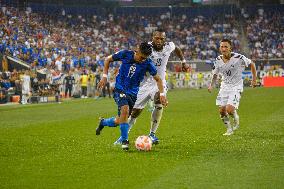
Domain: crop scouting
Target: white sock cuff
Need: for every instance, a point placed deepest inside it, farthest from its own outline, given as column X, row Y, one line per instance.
column 159, row 105
column 131, row 120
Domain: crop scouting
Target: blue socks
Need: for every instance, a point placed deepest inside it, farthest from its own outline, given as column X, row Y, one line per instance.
column 109, row 122
column 124, row 130
column 123, row 126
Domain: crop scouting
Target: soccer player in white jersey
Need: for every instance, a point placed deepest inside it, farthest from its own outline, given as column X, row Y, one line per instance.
column 26, row 87
column 148, row 89
column 230, row 66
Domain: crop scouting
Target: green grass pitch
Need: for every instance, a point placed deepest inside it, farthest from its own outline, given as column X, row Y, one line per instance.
column 55, row 146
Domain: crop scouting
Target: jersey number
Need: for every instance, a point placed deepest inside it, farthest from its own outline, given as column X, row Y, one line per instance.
column 132, row 70
column 228, row 73
column 159, row 62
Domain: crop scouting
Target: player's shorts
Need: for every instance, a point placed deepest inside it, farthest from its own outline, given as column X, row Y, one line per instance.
column 228, row 98
column 147, row 92
column 122, row 99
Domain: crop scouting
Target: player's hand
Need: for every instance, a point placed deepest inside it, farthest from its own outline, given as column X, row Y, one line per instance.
column 102, row 83
column 164, row 101
column 209, row 88
column 253, row 83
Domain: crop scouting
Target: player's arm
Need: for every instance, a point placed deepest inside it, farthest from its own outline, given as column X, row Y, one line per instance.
column 253, row 71
column 103, row 81
column 213, row 80
column 163, row 98
column 179, row 53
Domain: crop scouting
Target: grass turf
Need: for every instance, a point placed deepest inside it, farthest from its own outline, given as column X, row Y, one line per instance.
column 55, row 146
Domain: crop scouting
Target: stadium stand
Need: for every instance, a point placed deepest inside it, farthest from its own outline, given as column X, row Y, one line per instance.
column 56, row 39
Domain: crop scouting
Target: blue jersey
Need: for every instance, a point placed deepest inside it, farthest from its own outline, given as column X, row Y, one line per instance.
column 131, row 73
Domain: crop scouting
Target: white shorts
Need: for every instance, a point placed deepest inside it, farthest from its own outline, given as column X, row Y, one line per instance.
column 147, row 92
column 228, row 98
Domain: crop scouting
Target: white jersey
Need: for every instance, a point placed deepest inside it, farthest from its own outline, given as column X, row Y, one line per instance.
column 148, row 87
column 231, row 71
column 26, row 81
column 160, row 59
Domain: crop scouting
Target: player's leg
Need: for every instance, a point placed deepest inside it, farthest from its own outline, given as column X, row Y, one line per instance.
column 233, row 113
column 236, row 119
column 132, row 118
column 150, row 105
column 233, row 104
column 108, row 122
column 131, row 121
column 156, row 118
column 155, row 122
column 127, row 107
column 124, row 126
column 141, row 101
column 143, row 97
column 221, row 101
column 226, row 120
column 113, row 121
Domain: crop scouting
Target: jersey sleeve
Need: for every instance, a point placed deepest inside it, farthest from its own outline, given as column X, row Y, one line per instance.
column 119, row 55
column 152, row 68
column 246, row 61
column 215, row 69
column 172, row 46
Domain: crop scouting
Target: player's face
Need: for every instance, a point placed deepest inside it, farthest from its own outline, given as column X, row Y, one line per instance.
column 225, row 48
column 159, row 39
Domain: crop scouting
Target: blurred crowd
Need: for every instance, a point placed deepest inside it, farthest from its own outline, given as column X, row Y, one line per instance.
column 65, row 46
column 265, row 34
column 69, row 41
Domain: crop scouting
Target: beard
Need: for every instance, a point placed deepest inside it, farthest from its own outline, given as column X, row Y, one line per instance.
column 158, row 47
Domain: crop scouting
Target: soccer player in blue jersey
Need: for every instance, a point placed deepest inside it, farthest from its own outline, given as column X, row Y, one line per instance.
column 134, row 66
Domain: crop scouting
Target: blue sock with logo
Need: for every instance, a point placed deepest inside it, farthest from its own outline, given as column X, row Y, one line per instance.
column 110, row 122
column 124, row 130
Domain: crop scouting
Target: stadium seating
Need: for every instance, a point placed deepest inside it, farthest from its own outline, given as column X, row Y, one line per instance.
column 65, row 37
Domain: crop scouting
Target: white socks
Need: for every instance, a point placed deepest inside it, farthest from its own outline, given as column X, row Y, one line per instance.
column 131, row 122
column 156, row 118
column 226, row 121
column 236, row 118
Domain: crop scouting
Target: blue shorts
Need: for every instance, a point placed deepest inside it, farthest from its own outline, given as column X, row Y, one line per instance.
column 122, row 99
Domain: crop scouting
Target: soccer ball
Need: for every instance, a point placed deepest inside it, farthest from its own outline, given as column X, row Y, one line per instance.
column 143, row 143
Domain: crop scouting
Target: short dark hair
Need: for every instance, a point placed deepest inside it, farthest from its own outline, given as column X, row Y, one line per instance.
column 226, row 40
column 145, row 48
column 160, row 30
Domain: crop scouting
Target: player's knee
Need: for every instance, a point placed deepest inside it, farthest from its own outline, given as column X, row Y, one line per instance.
column 230, row 109
column 222, row 111
column 116, row 120
column 135, row 112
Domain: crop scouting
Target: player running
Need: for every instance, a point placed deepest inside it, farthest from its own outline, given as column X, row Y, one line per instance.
column 230, row 66
column 148, row 89
column 132, row 70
